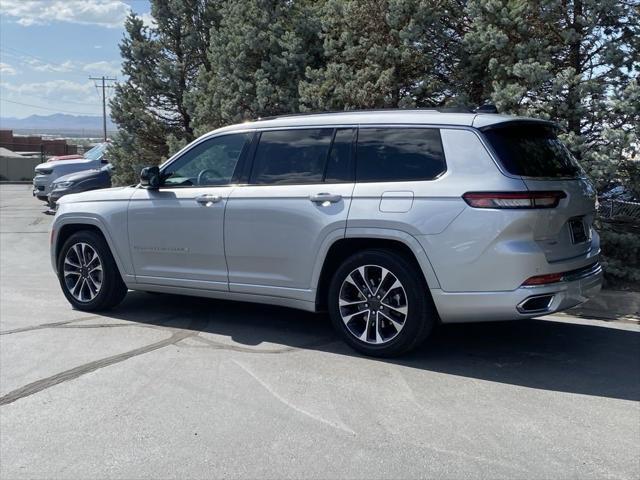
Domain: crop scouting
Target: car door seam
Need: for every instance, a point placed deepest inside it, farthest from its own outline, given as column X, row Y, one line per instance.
column 224, row 234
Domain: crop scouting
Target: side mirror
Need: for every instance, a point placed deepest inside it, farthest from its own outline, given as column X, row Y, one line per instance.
column 150, row 178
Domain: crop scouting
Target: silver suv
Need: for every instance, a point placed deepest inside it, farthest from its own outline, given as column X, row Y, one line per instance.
column 392, row 221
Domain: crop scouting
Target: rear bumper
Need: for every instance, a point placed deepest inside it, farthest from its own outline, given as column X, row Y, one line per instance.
column 459, row 307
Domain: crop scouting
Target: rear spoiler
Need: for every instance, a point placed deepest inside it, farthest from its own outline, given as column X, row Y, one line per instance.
column 516, row 122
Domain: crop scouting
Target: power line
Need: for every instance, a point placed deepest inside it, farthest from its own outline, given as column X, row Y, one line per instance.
column 57, row 110
column 66, row 100
column 82, row 104
column 68, row 69
column 22, row 52
column 104, row 100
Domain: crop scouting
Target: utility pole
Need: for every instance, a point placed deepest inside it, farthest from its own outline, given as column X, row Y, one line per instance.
column 104, row 100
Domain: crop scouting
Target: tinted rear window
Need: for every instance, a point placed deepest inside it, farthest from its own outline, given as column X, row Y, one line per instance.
column 291, row 156
column 532, row 151
column 399, row 154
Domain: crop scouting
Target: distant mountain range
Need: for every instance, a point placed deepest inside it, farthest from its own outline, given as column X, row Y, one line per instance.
column 56, row 122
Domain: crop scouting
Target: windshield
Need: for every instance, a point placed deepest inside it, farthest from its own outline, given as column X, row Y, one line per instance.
column 532, row 151
column 96, row 152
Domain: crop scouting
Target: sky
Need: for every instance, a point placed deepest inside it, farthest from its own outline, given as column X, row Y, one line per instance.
column 49, row 48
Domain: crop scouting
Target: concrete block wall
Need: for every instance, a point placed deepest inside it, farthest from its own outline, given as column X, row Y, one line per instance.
column 17, row 169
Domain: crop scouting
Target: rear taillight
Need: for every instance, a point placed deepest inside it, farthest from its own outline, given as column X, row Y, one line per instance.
column 577, row 274
column 514, row 199
column 543, row 279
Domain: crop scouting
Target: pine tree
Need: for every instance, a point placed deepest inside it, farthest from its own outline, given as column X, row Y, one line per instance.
column 384, row 53
column 575, row 62
column 160, row 63
column 257, row 54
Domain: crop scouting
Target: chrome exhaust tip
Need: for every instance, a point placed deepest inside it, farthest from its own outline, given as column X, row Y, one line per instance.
column 536, row 304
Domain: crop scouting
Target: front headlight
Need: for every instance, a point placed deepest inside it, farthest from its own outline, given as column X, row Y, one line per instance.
column 61, row 185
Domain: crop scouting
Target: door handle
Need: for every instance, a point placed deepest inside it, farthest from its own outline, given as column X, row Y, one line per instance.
column 207, row 200
column 325, row 197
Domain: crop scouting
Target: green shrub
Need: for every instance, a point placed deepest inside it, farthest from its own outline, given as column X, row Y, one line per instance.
column 620, row 257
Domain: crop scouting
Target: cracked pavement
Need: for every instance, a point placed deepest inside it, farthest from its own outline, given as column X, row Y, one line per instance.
column 175, row 387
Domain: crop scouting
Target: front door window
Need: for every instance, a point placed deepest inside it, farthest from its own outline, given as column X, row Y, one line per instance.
column 209, row 163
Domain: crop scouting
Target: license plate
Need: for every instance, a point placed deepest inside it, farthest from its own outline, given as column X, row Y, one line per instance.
column 578, row 232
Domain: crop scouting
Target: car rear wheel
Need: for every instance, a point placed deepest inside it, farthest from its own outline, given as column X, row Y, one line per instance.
column 380, row 303
column 88, row 273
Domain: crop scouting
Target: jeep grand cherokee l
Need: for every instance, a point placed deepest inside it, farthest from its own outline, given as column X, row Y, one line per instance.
column 391, row 221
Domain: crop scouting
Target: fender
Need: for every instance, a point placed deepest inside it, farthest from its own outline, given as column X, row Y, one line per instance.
column 378, row 233
column 122, row 262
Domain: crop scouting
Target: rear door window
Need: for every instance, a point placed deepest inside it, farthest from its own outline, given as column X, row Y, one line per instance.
column 532, row 151
column 291, row 156
column 399, row 154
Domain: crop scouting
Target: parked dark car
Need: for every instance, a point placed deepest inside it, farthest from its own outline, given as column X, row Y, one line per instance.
column 48, row 172
column 80, row 182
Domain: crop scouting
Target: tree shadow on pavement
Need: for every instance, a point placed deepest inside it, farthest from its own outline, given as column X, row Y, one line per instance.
column 544, row 354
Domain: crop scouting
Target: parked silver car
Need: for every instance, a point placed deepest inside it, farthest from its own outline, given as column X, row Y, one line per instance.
column 390, row 220
column 46, row 173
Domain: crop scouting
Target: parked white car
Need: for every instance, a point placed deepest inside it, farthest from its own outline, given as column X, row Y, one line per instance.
column 46, row 173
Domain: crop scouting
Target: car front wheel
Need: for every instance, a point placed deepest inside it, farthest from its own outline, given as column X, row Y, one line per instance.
column 380, row 303
column 88, row 273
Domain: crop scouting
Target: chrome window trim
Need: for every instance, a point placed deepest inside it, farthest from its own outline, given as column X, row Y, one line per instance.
column 187, row 148
column 197, row 142
column 257, row 129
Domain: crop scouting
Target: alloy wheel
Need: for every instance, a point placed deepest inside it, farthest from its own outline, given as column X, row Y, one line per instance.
column 373, row 304
column 82, row 271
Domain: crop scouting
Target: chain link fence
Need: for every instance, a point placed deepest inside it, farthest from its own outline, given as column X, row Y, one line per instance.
column 610, row 209
column 618, row 222
column 621, row 215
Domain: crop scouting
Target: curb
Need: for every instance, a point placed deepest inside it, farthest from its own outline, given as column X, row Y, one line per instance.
column 594, row 316
column 610, row 305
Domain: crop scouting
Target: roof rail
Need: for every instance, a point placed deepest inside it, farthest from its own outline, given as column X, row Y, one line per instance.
column 458, row 109
column 486, row 108
column 365, row 110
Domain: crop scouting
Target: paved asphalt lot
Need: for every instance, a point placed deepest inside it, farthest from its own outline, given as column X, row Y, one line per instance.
column 176, row 387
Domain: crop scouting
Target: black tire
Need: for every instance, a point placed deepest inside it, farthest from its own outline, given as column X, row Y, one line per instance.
column 112, row 289
column 420, row 316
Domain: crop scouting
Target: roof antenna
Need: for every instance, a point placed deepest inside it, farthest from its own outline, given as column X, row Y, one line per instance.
column 486, row 108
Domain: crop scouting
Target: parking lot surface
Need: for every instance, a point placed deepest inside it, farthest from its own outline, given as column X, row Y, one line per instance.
column 178, row 387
